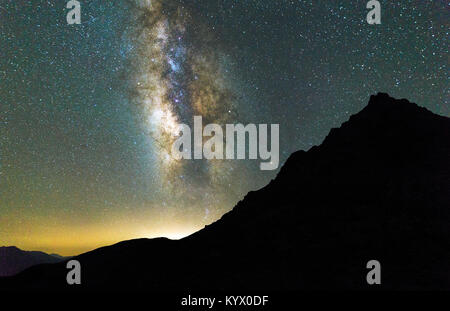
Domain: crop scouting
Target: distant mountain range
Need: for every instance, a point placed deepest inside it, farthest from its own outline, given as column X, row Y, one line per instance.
column 14, row 260
column 376, row 188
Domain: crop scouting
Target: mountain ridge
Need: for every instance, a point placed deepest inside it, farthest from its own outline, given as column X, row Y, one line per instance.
column 376, row 188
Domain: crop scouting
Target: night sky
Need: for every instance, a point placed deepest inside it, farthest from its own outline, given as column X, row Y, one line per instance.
column 87, row 111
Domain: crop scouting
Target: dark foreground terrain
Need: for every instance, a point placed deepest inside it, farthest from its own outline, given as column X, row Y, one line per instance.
column 376, row 188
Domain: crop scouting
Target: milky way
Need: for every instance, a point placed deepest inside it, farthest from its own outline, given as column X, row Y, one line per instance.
column 178, row 74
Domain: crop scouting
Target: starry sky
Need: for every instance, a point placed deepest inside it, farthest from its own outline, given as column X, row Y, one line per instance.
column 87, row 112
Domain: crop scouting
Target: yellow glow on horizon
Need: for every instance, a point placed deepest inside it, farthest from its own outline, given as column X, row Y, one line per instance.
column 173, row 233
column 73, row 239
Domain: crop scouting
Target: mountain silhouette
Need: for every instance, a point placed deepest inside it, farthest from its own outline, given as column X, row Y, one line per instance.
column 377, row 188
column 14, row 260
